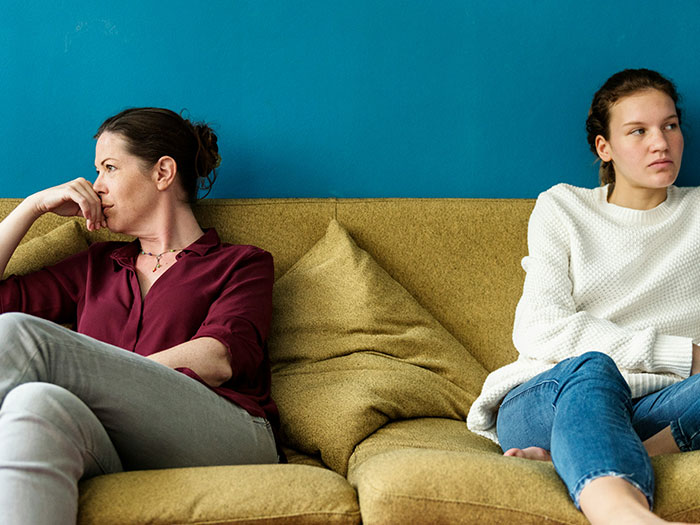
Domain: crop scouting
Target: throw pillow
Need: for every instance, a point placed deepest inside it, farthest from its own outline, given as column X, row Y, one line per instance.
column 47, row 249
column 351, row 349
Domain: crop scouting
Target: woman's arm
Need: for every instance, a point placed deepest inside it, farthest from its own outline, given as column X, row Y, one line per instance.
column 13, row 228
column 230, row 343
column 206, row 357
column 549, row 327
column 75, row 198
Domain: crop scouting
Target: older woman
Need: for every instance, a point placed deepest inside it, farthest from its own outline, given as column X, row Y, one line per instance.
column 167, row 367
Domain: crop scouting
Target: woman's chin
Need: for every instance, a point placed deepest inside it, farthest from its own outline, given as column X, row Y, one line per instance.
column 112, row 226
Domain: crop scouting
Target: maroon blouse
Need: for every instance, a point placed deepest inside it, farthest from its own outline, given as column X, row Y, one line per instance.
column 214, row 290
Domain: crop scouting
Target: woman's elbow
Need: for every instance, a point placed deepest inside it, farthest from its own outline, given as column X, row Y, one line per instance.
column 220, row 373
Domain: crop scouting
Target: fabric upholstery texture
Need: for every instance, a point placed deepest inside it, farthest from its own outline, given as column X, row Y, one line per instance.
column 471, row 488
column 349, row 344
column 47, row 249
column 484, row 488
column 263, row 494
column 460, row 259
column 421, row 433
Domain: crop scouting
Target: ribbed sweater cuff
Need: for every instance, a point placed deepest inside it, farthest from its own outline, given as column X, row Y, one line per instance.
column 673, row 354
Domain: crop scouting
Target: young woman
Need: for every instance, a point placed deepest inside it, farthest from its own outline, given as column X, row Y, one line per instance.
column 608, row 321
column 167, row 367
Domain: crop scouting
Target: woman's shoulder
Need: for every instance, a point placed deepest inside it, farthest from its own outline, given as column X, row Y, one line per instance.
column 107, row 247
column 570, row 200
column 243, row 250
column 239, row 255
column 564, row 192
column 211, row 243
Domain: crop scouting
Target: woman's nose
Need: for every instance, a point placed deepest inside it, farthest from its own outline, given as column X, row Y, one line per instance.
column 659, row 141
column 98, row 185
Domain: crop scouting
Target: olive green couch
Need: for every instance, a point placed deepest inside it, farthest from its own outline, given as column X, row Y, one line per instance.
column 388, row 315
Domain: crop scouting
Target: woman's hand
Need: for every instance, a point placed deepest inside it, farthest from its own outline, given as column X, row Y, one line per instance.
column 74, row 198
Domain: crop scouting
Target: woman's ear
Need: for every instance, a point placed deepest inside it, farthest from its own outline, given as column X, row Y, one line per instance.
column 602, row 146
column 164, row 172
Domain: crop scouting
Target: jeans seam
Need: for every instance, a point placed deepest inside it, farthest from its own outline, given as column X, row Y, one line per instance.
column 541, row 383
column 691, row 438
column 679, row 436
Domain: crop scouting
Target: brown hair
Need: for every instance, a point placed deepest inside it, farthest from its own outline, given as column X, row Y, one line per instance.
column 620, row 85
column 151, row 133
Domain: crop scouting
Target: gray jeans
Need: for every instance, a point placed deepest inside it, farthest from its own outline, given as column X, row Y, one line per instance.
column 73, row 407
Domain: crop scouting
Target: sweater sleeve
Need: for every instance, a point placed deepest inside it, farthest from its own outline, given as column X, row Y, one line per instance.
column 549, row 327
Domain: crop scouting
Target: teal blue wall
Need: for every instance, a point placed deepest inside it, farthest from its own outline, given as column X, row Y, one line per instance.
column 339, row 98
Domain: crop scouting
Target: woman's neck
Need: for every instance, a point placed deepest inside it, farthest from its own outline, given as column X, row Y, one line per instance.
column 175, row 229
column 638, row 198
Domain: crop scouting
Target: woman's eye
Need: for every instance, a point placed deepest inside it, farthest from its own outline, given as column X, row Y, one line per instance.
column 637, row 132
column 671, row 126
column 110, row 167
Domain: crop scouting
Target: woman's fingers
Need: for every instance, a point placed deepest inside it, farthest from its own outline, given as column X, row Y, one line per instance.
column 89, row 202
column 76, row 197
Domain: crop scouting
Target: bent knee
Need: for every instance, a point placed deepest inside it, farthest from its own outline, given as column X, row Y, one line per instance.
column 598, row 364
column 598, row 358
column 40, row 399
column 15, row 318
column 14, row 323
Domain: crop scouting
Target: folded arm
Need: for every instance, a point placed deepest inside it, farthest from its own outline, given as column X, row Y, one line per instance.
column 205, row 356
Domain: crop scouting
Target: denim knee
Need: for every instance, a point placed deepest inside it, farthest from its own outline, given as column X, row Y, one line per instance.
column 600, row 367
column 601, row 361
column 592, row 435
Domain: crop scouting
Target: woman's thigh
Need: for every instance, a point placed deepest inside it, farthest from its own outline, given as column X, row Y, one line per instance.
column 655, row 411
column 526, row 414
column 156, row 417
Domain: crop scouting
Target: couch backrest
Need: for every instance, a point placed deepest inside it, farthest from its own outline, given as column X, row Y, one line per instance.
column 460, row 258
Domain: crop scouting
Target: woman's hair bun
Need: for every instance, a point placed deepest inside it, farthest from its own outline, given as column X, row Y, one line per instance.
column 207, row 158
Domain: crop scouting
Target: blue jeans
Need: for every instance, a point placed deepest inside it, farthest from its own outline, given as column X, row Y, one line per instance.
column 582, row 412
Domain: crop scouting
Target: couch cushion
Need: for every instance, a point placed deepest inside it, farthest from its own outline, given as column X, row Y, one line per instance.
column 460, row 258
column 677, row 496
column 351, row 349
column 422, row 486
column 467, row 483
column 254, row 494
column 429, row 433
column 47, row 249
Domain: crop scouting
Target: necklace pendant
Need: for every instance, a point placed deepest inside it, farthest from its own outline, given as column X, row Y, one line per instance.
column 158, row 256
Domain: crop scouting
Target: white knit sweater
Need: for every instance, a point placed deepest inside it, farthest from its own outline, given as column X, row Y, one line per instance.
column 606, row 278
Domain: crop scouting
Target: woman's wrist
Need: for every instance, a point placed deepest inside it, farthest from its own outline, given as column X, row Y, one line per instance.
column 30, row 208
column 695, row 367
